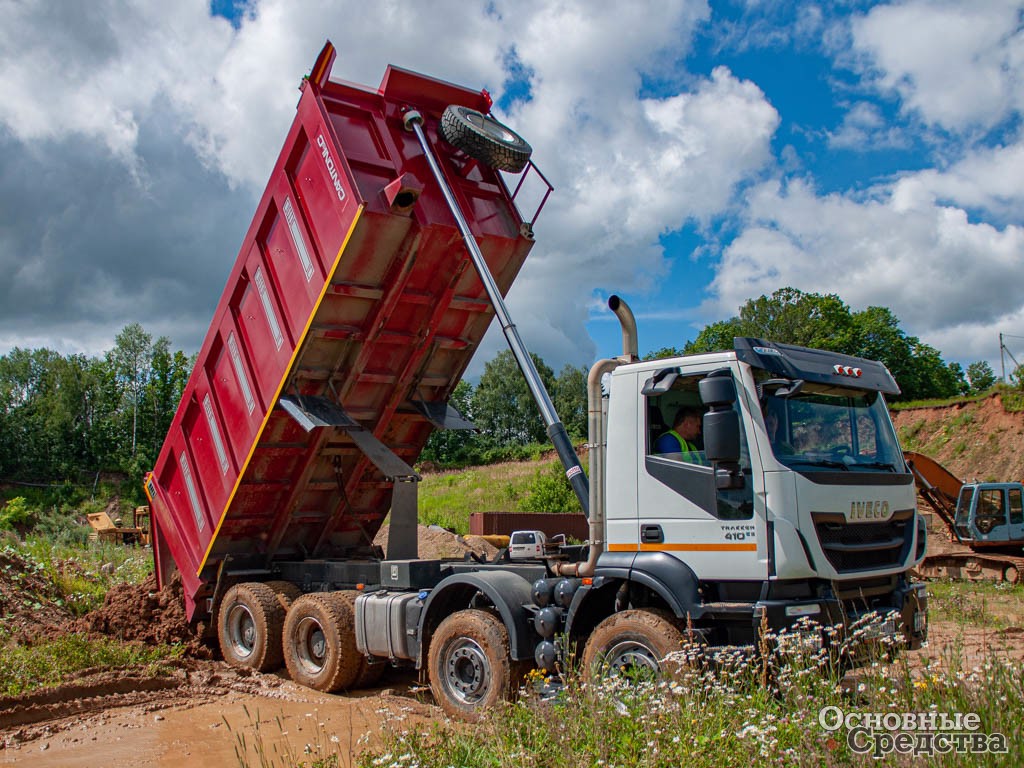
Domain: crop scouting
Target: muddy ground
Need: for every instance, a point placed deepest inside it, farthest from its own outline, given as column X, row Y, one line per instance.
column 195, row 709
column 198, row 711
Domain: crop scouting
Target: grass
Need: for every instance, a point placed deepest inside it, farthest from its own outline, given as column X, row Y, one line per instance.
column 992, row 605
column 731, row 717
column 723, row 718
column 82, row 575
column 48, row 662
column 448, row 498
column 77, row 578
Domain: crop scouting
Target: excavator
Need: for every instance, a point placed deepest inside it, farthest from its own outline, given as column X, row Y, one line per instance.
column 985, row 519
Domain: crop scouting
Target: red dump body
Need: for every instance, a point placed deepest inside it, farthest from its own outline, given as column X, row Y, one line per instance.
column 352, row 284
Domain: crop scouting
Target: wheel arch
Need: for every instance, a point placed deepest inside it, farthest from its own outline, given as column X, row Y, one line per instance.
column 672, row 580
column 506, row 592
column 660, row 580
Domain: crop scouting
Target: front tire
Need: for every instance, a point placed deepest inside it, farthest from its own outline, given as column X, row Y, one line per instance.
column 320, row 642
column 633, row 642
column 249, row 625
column 469, row 664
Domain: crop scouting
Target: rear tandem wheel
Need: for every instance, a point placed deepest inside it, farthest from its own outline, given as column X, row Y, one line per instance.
column 320, row 642
column 249, row 625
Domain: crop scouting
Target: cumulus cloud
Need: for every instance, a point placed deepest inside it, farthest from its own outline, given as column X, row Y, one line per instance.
column 865, row 129
column 956, row 65
column 947, row 278
column 166, row 121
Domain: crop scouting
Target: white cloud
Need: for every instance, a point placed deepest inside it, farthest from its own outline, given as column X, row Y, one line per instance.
column 986, row 179
column 864, row 129
column 948, row 279
column 177, row 106
column 955, row 64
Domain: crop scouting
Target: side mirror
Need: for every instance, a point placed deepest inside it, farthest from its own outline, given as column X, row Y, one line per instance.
column 717, row 389
column 722, row 436
column 660, row 383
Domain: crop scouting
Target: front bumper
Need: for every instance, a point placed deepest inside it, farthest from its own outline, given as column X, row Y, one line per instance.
column 855, row 629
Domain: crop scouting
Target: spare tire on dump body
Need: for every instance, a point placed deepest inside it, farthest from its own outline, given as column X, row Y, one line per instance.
column 485, row 139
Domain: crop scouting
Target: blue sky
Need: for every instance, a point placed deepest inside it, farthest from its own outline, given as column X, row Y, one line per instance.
column 702, row 154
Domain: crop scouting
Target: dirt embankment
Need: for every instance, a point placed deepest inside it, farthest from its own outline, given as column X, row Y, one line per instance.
column 975, row 441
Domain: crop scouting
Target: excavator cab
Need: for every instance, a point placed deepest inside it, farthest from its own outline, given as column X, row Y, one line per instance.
column 990, row 512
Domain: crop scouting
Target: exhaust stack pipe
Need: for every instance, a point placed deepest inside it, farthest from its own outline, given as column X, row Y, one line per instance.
column 622, row 311
column 598, row 438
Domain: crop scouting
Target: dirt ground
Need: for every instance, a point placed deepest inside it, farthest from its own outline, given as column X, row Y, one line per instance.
column 976, row 441
column 191, row 709
column 197, row 713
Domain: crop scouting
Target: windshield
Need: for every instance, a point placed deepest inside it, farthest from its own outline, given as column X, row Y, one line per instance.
column 828, row 431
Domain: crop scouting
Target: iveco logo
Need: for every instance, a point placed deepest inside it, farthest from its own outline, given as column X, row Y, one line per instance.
column 332, row 169
column 868, row 510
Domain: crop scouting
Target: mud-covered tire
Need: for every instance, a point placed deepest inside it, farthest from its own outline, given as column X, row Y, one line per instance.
column 369, row 674
column 249, row 623
column 632, row 642
column 320, row 642
column 286, row 592
column 485, row 139
column 469, row 665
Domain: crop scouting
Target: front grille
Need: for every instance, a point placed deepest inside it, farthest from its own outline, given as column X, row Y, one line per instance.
column 863, row 546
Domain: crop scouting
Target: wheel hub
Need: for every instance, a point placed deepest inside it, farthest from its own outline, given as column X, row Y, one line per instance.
column 311, row 645
column 241, row 631
column 632, row 657
column 467, row 673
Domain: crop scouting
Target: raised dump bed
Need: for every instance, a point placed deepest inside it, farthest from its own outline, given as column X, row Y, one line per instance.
column 349, row 316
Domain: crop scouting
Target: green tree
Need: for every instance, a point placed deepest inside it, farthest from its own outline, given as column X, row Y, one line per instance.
column 980, row 376
column 165, row 384
column 788, row 315
column 131, row 358
column 503, row 407
column 570, row 400
column 825, row 322
column 665, row 352
column 455, row 447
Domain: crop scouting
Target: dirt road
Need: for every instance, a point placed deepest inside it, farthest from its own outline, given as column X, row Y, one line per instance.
column 197, row 713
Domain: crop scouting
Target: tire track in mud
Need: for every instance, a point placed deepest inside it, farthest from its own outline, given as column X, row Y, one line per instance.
column 96, row 693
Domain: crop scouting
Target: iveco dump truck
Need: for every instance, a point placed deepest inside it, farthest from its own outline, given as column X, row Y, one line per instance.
column 379, row 254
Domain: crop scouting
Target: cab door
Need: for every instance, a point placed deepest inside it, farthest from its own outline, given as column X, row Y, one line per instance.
column 680, row 509
column 991, row 514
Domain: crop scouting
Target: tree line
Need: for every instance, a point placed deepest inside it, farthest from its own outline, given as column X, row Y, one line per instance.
column 824, row 321
column 65, row 419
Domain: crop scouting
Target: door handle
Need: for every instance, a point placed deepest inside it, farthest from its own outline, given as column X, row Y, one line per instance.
column 651, row 534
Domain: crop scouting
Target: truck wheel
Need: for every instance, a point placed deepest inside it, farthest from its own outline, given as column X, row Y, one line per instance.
column 485, row 139
column 469, row 664
column 369, row 674
column 286, row 592
column 320, row 642
column 249, row 627
column 632, row 642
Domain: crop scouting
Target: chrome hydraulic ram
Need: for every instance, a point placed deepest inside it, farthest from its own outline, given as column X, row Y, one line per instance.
column 556, row 431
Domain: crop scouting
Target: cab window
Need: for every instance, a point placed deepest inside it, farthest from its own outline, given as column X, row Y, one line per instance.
column 1016, row 507
column 991, row 511
column 664, row 432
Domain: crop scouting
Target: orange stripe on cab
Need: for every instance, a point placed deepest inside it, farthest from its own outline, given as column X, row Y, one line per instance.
column 716, row 547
